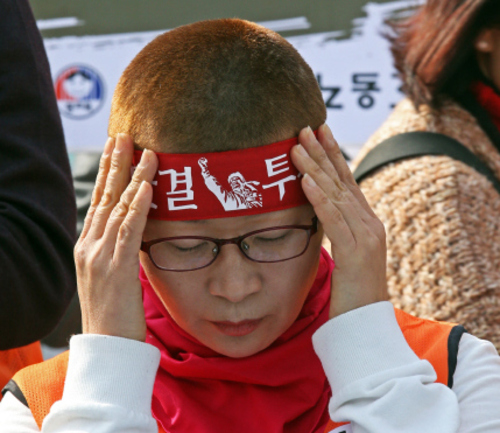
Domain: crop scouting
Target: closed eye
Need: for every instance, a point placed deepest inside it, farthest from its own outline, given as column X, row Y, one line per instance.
column 273, row 237
column 186, row 246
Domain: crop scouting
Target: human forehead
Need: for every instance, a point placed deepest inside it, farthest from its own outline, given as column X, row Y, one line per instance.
column 229, row 227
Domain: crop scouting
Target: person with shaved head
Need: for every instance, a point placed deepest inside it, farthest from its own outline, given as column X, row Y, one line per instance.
column 203, row 312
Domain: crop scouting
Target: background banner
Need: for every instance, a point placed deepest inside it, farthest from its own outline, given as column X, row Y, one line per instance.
column 353, row 66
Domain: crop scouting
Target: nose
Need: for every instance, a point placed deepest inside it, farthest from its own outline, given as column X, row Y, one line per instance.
column 233, row 276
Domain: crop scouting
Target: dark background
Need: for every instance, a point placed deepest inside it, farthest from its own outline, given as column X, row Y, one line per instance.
column 123, row 16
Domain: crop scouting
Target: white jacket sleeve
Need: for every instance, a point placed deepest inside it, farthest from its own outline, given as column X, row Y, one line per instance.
column 108, row 389
column 381, row 386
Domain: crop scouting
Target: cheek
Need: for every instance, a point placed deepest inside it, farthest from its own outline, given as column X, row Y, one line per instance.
column 294, row 280
column 171, row 290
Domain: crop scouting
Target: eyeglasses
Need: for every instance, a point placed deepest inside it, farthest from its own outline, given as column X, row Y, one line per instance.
column 271, row 245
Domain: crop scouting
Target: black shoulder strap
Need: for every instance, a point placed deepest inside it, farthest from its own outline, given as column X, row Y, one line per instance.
column 420, row 143
column 453, row 343
column 14, row 389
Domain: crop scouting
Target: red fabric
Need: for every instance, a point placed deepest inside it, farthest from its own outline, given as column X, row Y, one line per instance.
column 281, row 389
column 197, row 186
column 489, row 99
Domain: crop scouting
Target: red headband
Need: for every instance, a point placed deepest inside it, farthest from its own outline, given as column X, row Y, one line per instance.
column 201, row 186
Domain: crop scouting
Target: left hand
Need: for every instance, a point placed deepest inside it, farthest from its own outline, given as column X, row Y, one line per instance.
column 356, row 234
column 107, row 253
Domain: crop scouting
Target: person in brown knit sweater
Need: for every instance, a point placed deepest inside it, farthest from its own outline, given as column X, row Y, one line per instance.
column 441, row 216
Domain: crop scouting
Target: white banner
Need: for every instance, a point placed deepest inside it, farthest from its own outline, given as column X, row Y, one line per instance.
column 355, row 74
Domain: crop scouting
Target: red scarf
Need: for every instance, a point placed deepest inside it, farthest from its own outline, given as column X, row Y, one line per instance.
column 281, row 389
column 489, row 99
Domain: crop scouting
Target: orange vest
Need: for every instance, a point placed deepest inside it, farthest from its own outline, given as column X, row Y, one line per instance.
column 13, row 360
column 40, row 386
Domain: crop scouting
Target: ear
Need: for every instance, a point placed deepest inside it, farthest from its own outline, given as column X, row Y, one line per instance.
column 484, row 42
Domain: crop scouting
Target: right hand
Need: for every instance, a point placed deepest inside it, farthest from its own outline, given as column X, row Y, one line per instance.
column 356, row 234
column 107, row 253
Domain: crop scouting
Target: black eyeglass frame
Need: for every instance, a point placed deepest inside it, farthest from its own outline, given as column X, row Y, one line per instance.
column 311, row 229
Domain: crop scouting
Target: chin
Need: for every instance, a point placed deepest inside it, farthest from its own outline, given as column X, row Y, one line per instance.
column 239, row 352
column 237, row 347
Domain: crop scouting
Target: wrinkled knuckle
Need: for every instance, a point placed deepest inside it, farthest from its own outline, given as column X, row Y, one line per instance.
column 115, row 164
column 120, row 210
column 80, row 254
column 103, row 164
column 94, row 201
column 344, row 193
column 338, row 194
column 90, row 214
column 135, row 207
column 125, row 232
column 135, row 183
column 323, row 158
column 317, row 170
column 335, row 216
column 324, row 200
column 96, row 195
column 138, row 173
column 107, row 198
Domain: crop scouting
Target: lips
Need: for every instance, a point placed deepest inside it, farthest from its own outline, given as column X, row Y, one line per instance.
column 237, row 329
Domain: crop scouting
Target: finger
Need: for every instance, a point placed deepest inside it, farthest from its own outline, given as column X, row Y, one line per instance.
column 100, row 183
column 332, row 219
column 332, row 149
column 129, row 239
column 145, row 171
column 333, row 188
column 116, row 182
column 316, row 151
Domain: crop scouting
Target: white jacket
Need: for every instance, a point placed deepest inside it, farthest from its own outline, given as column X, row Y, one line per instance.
column 379, row 384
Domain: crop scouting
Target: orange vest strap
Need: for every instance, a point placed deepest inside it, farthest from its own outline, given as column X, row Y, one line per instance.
column 13, row 360
column 48, row 376
column 430, row 340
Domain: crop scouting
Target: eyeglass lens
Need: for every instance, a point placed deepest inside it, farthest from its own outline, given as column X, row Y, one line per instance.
column 267, row 246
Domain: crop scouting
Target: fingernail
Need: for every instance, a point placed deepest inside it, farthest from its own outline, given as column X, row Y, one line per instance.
column 301, row 150
column 119, row 144
column 310, row 133
column 142, row 187
column 146, row 153
column 108, row 147
column 309, row 180
column 328, row 132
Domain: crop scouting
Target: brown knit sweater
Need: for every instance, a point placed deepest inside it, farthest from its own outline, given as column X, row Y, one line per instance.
column 443, row 223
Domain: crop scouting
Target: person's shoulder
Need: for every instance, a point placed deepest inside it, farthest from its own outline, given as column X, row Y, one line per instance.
column 450, row 119
column 39, row 386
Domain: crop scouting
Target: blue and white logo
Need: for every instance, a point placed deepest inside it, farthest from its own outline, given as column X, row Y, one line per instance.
column 79, row 91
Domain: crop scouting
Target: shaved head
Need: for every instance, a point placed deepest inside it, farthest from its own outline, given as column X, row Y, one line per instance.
column 213, row 86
